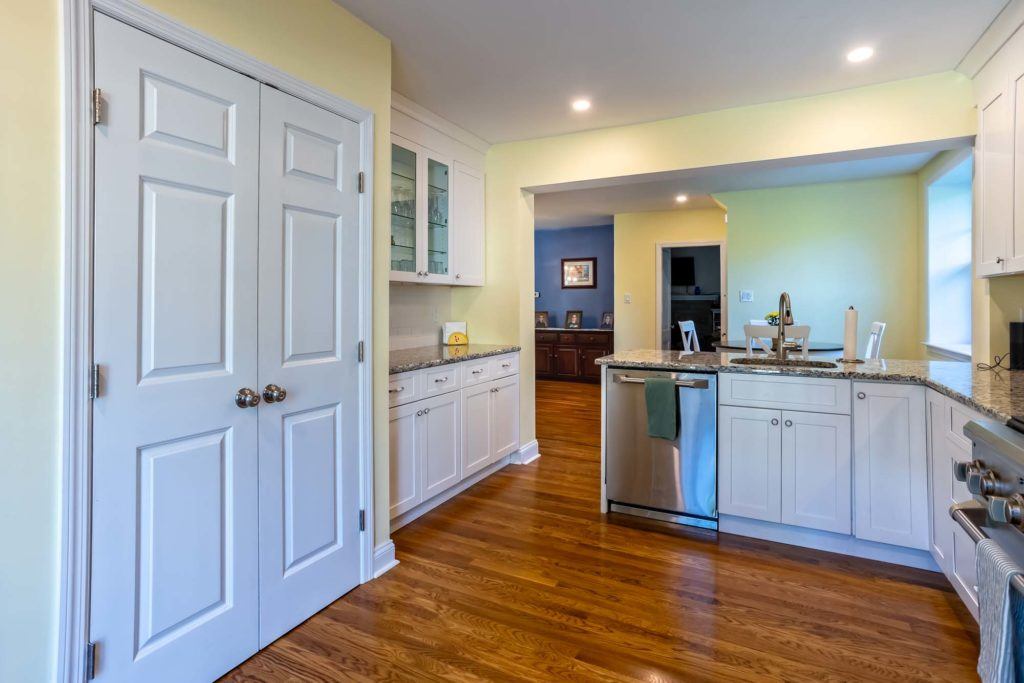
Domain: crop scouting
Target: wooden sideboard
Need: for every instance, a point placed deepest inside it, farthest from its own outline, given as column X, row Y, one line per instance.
column 570, row 354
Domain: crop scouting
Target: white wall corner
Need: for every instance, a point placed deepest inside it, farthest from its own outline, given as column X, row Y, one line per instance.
column 384, row 558
column 527, row 453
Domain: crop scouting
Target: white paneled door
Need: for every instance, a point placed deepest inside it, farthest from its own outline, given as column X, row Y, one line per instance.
column 308, row 346
column 226, row 259
column 174, row 592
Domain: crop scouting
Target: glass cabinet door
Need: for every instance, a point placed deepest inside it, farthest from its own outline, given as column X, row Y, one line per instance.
column 438, row 244
column 403, row 210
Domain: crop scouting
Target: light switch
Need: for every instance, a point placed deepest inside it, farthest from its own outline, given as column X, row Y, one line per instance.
column 746, row 295
column 627, row 298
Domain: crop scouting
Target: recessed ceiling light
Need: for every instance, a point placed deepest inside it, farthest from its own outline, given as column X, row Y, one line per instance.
column 860, row 54
column 581, row 104
column 681, row 198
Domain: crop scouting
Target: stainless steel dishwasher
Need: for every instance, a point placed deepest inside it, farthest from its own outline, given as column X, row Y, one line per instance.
column 674, row 481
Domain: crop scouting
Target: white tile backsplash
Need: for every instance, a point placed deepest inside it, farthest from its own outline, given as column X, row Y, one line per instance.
column 417, row 313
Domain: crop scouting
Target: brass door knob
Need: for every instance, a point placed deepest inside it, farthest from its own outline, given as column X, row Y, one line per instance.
column 247, row 398
column 274, row 394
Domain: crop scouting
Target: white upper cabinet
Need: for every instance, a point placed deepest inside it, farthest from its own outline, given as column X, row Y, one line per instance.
column 890, row 464
column 437, row 199
column 994, row 148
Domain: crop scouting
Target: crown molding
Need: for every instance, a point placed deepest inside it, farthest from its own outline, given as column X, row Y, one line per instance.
column 403, row 104
column 1003, row 27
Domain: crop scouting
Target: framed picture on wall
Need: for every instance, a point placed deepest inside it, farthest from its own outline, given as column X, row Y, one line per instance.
column 540, row 319
column 607, row 320
column 573, row 319
column 579, row 273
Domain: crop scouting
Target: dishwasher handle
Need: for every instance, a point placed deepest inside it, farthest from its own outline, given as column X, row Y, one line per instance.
column 688, row 383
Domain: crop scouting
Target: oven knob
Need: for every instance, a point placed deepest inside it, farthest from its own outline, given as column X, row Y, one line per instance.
column 976, row 481
column 1006, row 510
column 960, row 470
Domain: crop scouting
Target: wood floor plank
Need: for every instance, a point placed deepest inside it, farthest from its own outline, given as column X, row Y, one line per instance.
column 520, row 578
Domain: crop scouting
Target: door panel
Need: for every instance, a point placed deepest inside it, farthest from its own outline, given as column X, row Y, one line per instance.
column 995, row 181
column 591, row 369
column 749, row 462
column 476, row 427
column 174, row 468
column 505, row 418
column 442, row 443
column 567, row 361
column 543, row 354
column 308, row 265
column 404, row 472
column 468, row 225
column 816, row 471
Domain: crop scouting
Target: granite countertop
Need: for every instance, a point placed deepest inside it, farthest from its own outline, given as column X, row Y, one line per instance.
column 405, row 360
column 998, row 394
column 574, row 329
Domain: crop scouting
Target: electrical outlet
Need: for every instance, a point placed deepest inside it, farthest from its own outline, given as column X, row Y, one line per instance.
column 627, row 298
column 746, row 296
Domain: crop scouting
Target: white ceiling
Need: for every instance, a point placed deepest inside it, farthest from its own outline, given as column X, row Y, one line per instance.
column 508, row 69
column 596, row 202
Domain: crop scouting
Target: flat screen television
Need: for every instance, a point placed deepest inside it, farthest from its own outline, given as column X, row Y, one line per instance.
column 682, row 271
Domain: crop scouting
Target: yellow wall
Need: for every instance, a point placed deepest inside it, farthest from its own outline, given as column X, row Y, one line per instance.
column 831, row 246
column 30, row 236
column 315, row 40
column 636, row 265
column 936, row 107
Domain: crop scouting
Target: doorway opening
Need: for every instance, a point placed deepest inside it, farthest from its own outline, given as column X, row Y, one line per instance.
column 691, row 282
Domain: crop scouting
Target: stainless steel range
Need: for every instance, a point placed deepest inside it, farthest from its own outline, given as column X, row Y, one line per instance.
column 996, row 479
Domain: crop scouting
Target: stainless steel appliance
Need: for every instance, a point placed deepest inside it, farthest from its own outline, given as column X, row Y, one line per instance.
column 996, row 479
column 674, row 481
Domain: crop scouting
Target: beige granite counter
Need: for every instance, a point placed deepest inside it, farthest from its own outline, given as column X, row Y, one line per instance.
column 406, row 360
column 999, row 394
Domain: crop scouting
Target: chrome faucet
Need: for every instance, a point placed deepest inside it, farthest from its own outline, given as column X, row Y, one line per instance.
column 785, row 318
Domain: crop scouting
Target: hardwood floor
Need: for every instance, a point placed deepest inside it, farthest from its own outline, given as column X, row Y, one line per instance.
column 521, row 578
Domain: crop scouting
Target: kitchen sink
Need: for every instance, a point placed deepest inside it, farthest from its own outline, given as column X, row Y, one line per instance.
column 787, row 363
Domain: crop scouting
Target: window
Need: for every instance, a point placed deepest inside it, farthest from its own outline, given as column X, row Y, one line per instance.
column 949, row 261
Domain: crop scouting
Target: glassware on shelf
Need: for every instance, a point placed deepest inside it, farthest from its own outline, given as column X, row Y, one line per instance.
column 403, row 209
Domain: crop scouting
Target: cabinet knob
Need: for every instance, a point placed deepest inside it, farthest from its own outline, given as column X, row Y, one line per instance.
column 458, row 276
column 440, row 380
column 999, row 259
column 775, row 422
column 789, row 423
column 418, row 413
column 861, row 395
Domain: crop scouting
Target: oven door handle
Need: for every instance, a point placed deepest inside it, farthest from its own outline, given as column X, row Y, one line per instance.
column 688, row 383
column 962, row 514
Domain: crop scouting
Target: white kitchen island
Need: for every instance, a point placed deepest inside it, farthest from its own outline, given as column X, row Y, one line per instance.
column 855, row 459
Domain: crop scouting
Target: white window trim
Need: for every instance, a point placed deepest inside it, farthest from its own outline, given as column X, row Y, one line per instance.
column 946, row 351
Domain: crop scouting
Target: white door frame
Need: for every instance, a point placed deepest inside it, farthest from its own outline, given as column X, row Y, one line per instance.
column 659, row 247
column 77, row 258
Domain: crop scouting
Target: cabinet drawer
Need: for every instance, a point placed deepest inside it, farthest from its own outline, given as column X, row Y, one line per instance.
column 787, row 392
column 547, row 337
column 503, row 366
column 475, row 372
column 566, row 338
column 440, row 380
column 593, row 338
column 402, row 388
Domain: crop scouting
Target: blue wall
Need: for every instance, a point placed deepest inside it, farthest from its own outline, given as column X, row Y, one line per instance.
column 550, row 247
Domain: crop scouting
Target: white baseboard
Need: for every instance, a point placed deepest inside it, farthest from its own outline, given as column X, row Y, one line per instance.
column 384, row 558
column 825, row 540
column 428, row 505
column 527, row 453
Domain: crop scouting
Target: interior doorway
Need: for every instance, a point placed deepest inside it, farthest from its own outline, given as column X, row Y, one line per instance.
column 691, row 285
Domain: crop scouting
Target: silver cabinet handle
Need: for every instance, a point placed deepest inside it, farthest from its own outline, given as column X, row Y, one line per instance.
column 999, row 259
column 506, row 365
column 861, row 395
column 247, row 398
column 396, row 391
column 789, row 423
column 477, row 371
column 458, row 276
column 775, row 422
column 274, row 394
column 426, row 410
column 418, row 413
column 440, row 380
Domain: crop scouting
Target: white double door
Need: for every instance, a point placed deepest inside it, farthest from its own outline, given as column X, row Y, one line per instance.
column 226, row 258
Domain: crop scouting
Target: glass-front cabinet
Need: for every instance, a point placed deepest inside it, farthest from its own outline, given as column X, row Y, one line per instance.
column 420, row 207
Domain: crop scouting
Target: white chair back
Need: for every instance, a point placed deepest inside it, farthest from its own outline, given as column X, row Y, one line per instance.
column 874, row 348
column 802, row 335
column 758, row 321
column 755, row 334
column 689, row 332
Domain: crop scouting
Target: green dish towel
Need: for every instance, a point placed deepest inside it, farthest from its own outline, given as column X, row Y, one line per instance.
column 662, row 408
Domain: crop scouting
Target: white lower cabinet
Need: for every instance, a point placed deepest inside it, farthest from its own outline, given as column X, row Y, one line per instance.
column 439, row 441
column 951, row 548
column 890, row 464
column 816, row 471
column 750, row 462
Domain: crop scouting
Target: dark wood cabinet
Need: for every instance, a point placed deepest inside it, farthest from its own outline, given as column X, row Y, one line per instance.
column 570, row 355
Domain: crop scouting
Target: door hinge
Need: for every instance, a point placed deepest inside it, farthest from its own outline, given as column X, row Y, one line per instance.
column 94, row 381
column 90, row 661
column 362, row 351
column 362, row 182
column 97, row 106
column 362, row 520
